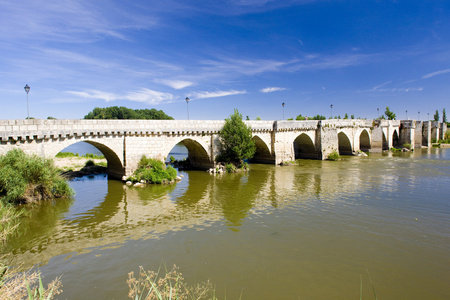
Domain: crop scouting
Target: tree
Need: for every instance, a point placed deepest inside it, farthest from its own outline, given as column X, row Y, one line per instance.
column 346, row 116
column 436, row 115
column 236, row 142
column 444, row 116
column 389, row 114
column 124, row 113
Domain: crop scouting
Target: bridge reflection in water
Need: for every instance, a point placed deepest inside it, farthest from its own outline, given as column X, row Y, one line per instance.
column 320, row 222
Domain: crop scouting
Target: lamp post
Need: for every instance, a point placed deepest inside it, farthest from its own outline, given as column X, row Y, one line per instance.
column 406, row 114
column 378, row 112
column 27, row 89
column 187, row 104
column 331, row 106
column 283, row 109
column 418, row 116
column 428, row 116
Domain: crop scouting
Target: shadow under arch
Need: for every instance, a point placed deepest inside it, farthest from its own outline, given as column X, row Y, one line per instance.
column 385, row 143
column 115, row 167
column 364, row 141
column 262, row 154
column 345, row 147
column 197, row 155
column 395, row 139
column 304, row 147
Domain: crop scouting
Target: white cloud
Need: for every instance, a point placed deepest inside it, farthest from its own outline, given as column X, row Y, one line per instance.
column 201, row 95
column 143, row 95
column 419, row 89
column 175, row 84
column 435, row 73
column 271, row 89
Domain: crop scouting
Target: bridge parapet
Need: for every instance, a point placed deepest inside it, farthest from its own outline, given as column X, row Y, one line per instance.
column 295, row 125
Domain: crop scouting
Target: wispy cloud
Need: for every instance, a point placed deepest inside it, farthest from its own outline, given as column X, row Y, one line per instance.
column 272, row 89
column 215, row 94
column 429, row 75
column 405, row 90
column 143, row 95
column 175, row 84
column 381, row 85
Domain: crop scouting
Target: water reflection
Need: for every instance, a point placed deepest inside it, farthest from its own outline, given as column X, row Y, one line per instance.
column 360, row 207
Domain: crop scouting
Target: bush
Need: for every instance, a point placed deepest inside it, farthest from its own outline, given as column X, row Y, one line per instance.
column 89, row 163
column 153, row 171
column 407, row 146
column 24, row 177
column 334, row 156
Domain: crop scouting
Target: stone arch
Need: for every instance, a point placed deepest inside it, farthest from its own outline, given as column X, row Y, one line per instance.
column 115, row 166
column 364, row 141
column 345, row 146
column 262, row 154
column 304, row 147
column 197, row 154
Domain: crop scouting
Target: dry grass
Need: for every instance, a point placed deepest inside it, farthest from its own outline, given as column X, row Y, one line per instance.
column 149, row 285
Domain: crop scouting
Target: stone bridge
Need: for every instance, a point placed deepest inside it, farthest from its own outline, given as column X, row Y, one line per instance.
column 123, row 142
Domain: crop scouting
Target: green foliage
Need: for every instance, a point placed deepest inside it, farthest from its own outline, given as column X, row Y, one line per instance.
column 346, row 116
column 236, row 142
column 87, row 155
column 36, row 176
column 334, row 156
column 172, row 159
column 124, row 113
column 153, row 171
column 316, row 117
column 230, row 168
column 444, row 116
column 90, row 163
column 407, row 146
column 258, row 118
column 389, row 114
column 436, row 115
column 9, row 221
column 352, row 117
column 51, row 118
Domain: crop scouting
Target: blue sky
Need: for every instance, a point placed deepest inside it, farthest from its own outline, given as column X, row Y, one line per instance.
column 246, row 54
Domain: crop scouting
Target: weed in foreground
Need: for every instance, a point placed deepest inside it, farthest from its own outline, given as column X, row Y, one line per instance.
column 166, row 285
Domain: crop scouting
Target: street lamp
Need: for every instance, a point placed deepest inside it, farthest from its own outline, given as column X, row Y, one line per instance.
column 283, row 109
column 428, row 116
column 27, row 89
column 331, row 106
column 378, row 112
column 187, row 104
column 406, row 114
column 418, row 116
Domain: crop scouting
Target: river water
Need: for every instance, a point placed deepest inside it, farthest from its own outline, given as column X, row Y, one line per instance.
column 319, row 230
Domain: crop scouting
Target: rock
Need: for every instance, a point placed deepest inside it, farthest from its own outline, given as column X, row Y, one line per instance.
column 138, row 184
column 178, row 178
column 129, row 183
column 405, row 150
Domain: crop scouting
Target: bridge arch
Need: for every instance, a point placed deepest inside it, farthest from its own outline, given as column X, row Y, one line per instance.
column 304, row 147
column 197, row 154
column 115, row 166
column 345, row 146
column 364, row 141
column 396, row 139
column 263, row 153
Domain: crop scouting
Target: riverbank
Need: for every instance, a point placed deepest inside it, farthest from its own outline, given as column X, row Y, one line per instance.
column 72, row 167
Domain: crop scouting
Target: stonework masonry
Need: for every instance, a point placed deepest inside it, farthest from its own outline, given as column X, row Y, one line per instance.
column 123, row 142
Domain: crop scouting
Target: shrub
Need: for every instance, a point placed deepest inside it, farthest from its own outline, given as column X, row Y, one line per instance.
column 89, row 163
column 230, row 168
column 153, row 171
column 334, row 156
column 407, row 146
column 172, row 159
column 23, row 177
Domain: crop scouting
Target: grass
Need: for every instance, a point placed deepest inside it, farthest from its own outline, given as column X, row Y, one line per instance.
column 166, row 285
column 9, row 221
column 153, row 171
column 87, row 155
column 25, row 178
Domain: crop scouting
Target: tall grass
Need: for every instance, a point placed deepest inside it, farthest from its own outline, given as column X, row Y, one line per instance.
column 166, row 285
column 24, row 178
column 87, row 155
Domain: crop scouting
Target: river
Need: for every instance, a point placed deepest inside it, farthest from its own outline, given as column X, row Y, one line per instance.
column 319, row 230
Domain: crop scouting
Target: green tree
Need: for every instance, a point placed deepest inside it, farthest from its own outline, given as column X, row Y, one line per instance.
column 236, row 142
column 124, row 113
column 352, row 117
column 436, row 115
column 346, row 116
column 389, row 114
column 444, row 116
